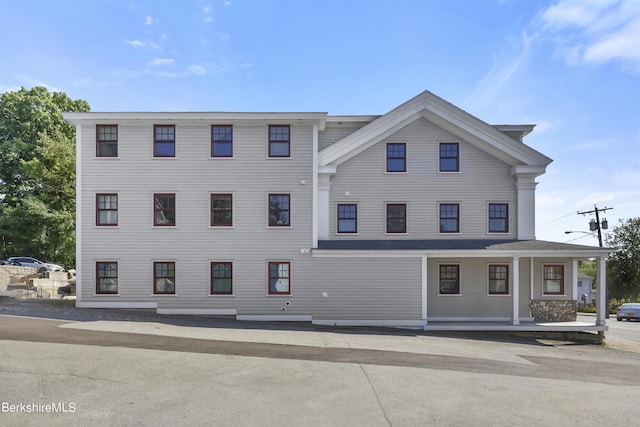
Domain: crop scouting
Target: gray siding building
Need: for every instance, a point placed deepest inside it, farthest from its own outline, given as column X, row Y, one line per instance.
column 421, row 216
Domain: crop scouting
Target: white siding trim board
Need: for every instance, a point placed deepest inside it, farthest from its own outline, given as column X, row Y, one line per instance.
column 111, row 304
column 199, row 311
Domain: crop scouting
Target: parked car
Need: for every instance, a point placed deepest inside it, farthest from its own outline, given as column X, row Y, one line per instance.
column 35, row 263
column 629, row 311
column 7, row 262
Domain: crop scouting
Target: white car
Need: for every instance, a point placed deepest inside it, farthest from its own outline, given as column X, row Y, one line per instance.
column 35, row 263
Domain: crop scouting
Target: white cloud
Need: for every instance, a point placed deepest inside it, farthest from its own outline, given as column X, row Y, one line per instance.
column 226, row 3
column 149, row 20
column 140, row 44
column 596, row 31
column 162, row 61
column 196, row 70
column 502, row 72
column 208, row 17
column 29, row 82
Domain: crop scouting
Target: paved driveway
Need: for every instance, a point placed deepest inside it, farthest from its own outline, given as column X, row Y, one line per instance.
column 155, row 370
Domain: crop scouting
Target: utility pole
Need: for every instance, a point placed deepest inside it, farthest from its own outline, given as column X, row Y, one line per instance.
column 597, row 225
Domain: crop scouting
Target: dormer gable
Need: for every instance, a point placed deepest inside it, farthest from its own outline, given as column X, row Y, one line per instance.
column 503, row 142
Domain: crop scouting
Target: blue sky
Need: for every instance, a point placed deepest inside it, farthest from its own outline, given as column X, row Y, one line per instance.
column 572, row 67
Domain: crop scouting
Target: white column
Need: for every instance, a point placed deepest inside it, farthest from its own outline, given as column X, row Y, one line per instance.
column 314, row 189
column 79, row 272
column 574, row 273
column 324, row 185
column 516, row 290
column 526, row 208
column 526, row 187
column 424, row 289
column 601, row 288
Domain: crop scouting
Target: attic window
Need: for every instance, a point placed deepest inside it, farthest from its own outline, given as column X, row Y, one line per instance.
column 449, row 157
column 396, row 157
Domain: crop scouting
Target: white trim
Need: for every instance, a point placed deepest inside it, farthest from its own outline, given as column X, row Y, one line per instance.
column 199, row 311
column 516, row 290
column 453, row 253
column 367, row 322
column 601, row 289
column 470, row 319
column 105, row 304
column 275, row 317
column 574, row 279
column 424, row 288
column 314, row 189
column 230, row 118
column 443, row 114
column 79, row 275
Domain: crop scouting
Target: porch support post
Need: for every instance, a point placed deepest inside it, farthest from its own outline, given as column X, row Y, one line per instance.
column 424, row 289
column 574, row 273
column 516, row 290
column 601, row 288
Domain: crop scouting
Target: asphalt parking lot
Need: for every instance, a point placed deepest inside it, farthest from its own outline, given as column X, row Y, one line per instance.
column 95, row 367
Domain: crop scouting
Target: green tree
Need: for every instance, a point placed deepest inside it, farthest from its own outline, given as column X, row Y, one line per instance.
column 623, row 267
column 37, row 175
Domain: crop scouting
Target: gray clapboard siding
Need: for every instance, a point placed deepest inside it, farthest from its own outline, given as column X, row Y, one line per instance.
column 192, row 244
column 334, row 132
column 482, row 179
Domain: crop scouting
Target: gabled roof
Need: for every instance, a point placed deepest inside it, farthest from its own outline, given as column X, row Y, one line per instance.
column 447, row 116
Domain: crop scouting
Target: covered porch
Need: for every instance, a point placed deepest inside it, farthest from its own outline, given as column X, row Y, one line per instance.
column 525, row 307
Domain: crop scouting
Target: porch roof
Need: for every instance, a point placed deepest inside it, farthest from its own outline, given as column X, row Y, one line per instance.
column 477, row 247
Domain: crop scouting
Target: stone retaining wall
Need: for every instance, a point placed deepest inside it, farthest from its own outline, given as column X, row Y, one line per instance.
column 13, row 273
column 553, row 310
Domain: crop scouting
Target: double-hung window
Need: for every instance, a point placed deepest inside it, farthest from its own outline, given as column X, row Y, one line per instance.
column 396, row 157
column 221, row 141
column 279, row 278
column 107, row 277
column 221, row 278
column 279, row 210
column 164, row 277
column 498, row 280
column 449, row 218
column 222, row 210
column 449, row 157
column 449, row 279
column 498, row 218
column 279, row 141
column 347, row 218
column 164, row 141
column 106, row 209
column 164, row 209
column 106, row 140
column 553, row 280
column 396, row 218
